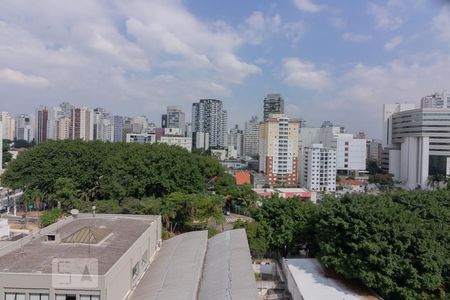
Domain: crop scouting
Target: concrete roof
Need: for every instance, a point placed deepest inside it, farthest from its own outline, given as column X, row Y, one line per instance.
column 36, row 255
column 176, row 271
column 228, row 272
column 312, row 282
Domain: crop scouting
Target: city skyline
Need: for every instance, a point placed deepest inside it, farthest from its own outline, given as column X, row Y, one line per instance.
column 142, row 57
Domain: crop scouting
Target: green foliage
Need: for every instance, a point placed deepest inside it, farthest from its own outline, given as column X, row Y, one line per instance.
column 22, row 144
column 386, row 180
column 7, row 156
column 256, row 236
column 284, row 224
column 373, row 167
column 50, row 217
column 396, row 244
column 97, row 170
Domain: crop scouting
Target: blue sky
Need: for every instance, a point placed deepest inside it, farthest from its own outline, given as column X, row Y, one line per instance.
column 331, row 60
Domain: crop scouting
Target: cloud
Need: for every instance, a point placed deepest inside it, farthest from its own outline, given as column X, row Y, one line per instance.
column 304, row 74
column 339, row 23
column 441, row 23
column 258, row 27
column 16, row 77
column 384, row 17
column 393, row 43
column 294, row 32
column 356, row 38
column 307, row 6
column 135, row 55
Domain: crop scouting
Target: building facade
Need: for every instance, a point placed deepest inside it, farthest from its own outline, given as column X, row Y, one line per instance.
column 180, row 141
column 278, row 150
column 235, row 138
column 437, row 100
column 318, row 168
column 8, row 125
column 118, row 128
column 273, row 104
column 208, row 116
column 140, row 138
column 63, row 126
column 24, row 129
column 174, row 118
column 41, row 124
column 419, row 145
column 251, row 137
column 82, row 124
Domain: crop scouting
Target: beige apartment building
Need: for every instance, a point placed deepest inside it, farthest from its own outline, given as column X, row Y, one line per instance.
column 278, row 150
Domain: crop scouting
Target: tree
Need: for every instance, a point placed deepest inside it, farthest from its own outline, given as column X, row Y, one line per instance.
column 396, row 244
column 7, row 156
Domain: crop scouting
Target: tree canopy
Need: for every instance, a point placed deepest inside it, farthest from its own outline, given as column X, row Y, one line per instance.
column 98, row 170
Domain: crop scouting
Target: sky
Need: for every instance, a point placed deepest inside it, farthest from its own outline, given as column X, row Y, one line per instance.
column 330, row 60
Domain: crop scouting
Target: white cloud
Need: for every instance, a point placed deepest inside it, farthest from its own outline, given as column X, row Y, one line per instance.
column 393, row 43
column 441, row 23
column 258, row 27
column 356, row 38
column 385, row 17
column 16, row 77
column 137, row 54
column 304, row 74
column 294, row 32
column 339, row 23
column 307, row 6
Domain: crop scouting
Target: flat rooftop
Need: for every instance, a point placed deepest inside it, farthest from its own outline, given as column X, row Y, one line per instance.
column 120, row 232
column 312, row 282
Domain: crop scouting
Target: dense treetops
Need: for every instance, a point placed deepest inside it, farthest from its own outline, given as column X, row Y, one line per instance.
column 398, row 244
column 97, row 170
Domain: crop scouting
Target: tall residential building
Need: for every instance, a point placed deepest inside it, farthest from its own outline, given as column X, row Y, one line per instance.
column 318, row 168
column 273, row 104
column 118, row 128
column 209, row 117
column 251, row 137
column 82, row 124
column 103, row 125
column 66, row 109
column 374, row 150
column 388, row 111
column 8, row 125
column 174, row 118
column 24, row 129
column 235, row 138
column 437, row 100
column 419, row 144
column 63, row 126
column 351, row 153
column 54, row 114
column 41, row 124
column 278, row 150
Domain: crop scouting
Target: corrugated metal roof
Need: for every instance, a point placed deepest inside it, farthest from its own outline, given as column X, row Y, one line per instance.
column 176, row 271
column 228, row 272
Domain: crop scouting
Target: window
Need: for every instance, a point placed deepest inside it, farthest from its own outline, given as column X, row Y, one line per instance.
column 66, row 297
column 89, row 297
column 39, row 297
column 14, row 296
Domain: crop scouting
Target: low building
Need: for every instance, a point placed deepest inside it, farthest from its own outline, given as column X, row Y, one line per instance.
column 242, row 178
column 180, row 141
column 306, row 279
column 286, row 193
column 86, row 257
column 353, row 185
column 140, row 138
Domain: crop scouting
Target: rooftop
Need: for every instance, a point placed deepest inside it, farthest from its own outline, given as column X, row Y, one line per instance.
column 105, row 238
column 313, row 283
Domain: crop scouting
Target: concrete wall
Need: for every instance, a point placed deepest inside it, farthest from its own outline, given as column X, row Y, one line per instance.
column 290, row 282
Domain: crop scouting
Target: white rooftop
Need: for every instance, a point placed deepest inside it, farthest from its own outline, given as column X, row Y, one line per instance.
column 309, row 276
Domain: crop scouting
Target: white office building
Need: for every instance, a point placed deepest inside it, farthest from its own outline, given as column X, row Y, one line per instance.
column 140, row 138
column 24, row 129
column 235, row 139
column 351, row 152
column 174, row 118
column 103, row 125
column 180, row 141
column 318, row 168
column 419, row 144
column 437, row 100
